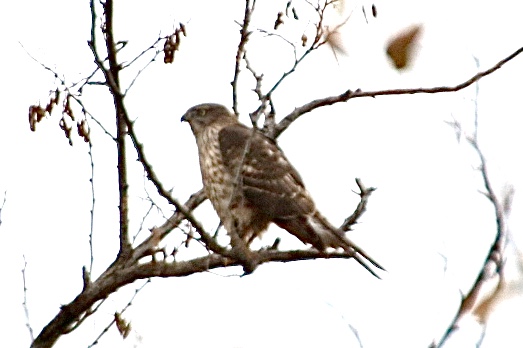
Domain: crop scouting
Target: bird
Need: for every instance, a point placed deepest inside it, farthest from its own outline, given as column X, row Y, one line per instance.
column 251, row 184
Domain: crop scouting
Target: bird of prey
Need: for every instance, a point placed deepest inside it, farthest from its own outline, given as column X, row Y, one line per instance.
column 250, row 184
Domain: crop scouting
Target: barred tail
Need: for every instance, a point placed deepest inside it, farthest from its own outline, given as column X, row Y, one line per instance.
column 316, row 230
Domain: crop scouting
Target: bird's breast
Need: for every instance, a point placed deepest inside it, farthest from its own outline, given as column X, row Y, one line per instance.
column 217, row 181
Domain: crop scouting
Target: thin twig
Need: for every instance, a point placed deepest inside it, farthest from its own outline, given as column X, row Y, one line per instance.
column 2, row 207
column 25, row 305
column 318, row 41
column 145, row 66
column 104, row 331
column 142, row 222
column 93, row 200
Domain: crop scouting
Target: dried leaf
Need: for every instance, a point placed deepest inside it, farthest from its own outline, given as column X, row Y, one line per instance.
column 122, row 325
column 168, row 51
column 66, row 129
column 172, row 44
column 67, row 107
column 36, row 114
column 304, row 40
column 400, row 47
column 83, row 130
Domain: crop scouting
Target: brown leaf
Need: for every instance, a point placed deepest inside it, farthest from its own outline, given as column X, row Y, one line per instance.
column 400, row 47
column 172, row 44
column 83, row 130
column 67, row 107
column 487, row 305
column 36, row 114
column 67, row 130
column 304, row 40
column 123, row 326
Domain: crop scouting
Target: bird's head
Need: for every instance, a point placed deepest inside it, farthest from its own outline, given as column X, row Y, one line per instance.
column 204, row 115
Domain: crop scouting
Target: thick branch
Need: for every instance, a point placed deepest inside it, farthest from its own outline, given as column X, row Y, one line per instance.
column 117, row 277
column 112, row 81
column 121, row 130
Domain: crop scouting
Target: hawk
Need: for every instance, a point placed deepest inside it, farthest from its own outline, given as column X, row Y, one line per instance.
column 250, row 184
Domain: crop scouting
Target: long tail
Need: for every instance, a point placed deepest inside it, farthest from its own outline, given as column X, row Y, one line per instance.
column 358, row 253
column 316, row 230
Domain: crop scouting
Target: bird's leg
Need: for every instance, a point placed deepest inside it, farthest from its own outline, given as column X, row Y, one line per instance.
column 241, row 251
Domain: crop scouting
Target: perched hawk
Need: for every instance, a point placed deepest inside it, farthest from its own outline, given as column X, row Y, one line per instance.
column 250, row 184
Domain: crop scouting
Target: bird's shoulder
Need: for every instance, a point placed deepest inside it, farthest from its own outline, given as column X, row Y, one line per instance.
column 241, row 144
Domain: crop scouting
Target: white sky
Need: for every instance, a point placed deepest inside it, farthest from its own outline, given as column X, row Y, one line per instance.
column 426, row 223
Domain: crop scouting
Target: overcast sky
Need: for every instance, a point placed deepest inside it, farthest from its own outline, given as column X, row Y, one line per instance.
column 426, row 223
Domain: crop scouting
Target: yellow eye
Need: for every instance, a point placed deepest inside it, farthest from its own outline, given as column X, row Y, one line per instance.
column 202, row 112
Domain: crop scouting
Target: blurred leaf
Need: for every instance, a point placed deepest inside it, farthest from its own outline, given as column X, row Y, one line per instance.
column 122, row 325
column 483, row 310
column 399, row 48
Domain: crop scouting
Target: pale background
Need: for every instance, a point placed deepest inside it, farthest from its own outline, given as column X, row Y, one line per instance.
column 426, row 223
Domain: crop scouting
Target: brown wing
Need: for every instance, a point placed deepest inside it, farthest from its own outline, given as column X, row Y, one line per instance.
column 269, row 182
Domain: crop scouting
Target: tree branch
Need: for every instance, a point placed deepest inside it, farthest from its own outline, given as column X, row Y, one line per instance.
column 495, row 256
column 349, row 94
column 244, row 37
column 24, row 304
column 360, row 209
column 112, row 81
column 118, row 276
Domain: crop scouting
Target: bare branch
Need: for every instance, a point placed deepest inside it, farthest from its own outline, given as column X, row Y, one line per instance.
column 156, row 54
column 345, row 96
column 361, row 208
column 495, row 256
column 319, row 40
column 113, row 82
column 244, row 37
column 258, row 78
column 119, row 275
column 93, row 201
column 2, row 207
column 24, row 304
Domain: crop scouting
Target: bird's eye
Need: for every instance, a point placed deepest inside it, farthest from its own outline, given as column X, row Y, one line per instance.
column 202, row 112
